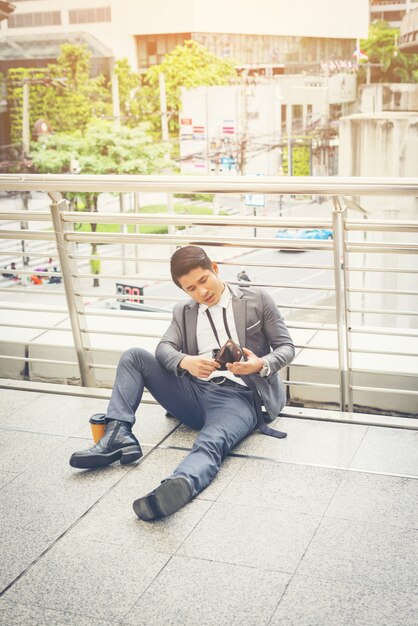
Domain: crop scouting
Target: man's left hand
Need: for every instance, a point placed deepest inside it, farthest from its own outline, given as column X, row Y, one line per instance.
column 252, row 365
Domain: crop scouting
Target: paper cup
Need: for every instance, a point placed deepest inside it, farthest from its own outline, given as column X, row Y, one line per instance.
column 98, row 426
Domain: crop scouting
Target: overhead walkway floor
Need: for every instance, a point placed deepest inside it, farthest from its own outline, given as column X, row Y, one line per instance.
column 317, row 529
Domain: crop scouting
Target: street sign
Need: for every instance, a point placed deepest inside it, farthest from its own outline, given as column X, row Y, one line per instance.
column 255, row 199
column 130, row 290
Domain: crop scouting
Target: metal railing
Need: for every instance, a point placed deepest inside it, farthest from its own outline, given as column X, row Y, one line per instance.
column 340, row 313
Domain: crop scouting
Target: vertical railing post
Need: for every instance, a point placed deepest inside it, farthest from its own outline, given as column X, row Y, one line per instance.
column 341, row 300
column 75, row 303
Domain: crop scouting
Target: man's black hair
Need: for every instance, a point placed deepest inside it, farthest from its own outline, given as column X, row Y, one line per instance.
column 186, row 259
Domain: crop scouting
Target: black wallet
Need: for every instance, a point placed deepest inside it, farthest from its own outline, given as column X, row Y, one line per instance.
column 229, row 353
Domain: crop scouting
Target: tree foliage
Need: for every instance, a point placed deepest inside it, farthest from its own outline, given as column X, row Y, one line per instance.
column 381, row 47
column 63, row 94
column 128, row 83
column 189, row 65
column 102, row 148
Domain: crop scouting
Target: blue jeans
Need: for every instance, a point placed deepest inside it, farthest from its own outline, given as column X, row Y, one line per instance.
column 224, row 415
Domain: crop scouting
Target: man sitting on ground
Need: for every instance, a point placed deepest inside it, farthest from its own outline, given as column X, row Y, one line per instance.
column 185, row 378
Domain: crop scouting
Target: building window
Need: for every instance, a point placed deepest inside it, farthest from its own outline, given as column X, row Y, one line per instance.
column 89, row 16
column 25, row 20
column 151, row 49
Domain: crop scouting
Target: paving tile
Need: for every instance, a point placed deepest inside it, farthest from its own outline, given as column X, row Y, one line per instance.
column 6, row 477
column 152, row 425
column 383, row 499
column 113, row 521
column 191, row 591
column 293, row 488
column 88, row 578
column 11, row 401
column 18, row 549
column 21, row 615
column 33, row 513
column 251, row 536
column 375, row 554
column 392, row 450
column 315, row 602
column 69, row 416
column 56, row 415
column 229, row 468
column 316, row 443
column 56, row 468
column 20, row 450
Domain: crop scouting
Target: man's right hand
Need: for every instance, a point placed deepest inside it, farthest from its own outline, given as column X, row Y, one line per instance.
column 199, row 366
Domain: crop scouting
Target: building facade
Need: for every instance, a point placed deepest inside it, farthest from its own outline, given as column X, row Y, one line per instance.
column 391, row 11
column 252, row 128
column 299, row 35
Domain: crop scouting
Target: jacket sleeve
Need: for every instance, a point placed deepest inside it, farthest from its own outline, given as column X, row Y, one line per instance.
column 169, row 350
column 277, row 334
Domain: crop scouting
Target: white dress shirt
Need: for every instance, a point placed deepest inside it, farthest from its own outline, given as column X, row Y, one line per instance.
column 206, row 340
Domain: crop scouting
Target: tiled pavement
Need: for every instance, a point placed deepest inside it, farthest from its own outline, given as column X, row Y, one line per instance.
column 317, row 529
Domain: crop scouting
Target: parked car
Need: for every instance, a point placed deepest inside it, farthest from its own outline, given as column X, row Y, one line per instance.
column 304, row 233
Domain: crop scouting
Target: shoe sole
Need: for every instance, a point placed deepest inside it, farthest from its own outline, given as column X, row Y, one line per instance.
column 126, row 455
column 168, row 498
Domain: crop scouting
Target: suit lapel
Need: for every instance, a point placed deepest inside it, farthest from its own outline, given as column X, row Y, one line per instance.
column 190, row 320
column 239, row 306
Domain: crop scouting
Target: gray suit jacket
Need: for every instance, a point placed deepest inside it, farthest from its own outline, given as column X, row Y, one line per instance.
column 260, row 328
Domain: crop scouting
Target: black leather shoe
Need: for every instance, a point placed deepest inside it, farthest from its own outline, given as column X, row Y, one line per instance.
column 118, row 442
column 168, row 498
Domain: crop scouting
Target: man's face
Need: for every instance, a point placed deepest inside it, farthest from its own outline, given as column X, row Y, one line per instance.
column 203, row 285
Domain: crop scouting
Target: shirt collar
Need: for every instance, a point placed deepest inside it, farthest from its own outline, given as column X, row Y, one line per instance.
column 224, row 301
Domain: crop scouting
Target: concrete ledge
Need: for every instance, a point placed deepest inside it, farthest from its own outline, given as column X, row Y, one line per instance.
column 289, row 411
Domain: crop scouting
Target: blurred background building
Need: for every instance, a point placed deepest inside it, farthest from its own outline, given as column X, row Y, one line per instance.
column 300, row 35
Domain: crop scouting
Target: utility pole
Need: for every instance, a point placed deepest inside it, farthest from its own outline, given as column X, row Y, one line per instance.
column 166, row 139
column 25, row 118
column 115, row 94
column 289, row 129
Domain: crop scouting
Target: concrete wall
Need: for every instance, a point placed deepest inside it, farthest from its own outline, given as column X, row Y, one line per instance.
column 379, row 97
column 383, row 144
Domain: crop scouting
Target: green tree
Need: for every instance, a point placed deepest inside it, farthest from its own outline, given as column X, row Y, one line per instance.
column 129, row 83
column 189, row 65
column 392, row 65
column 102, row 148
column 63, row 94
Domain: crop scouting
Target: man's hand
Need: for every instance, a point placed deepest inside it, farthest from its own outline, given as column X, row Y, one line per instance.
column 252, row 365
column 199, row 366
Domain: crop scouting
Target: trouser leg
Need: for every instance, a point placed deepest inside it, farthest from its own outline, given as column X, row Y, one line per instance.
column 229, row 417
column 137, row 369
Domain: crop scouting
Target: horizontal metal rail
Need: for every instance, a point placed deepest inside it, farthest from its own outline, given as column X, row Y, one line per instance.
column 179, row 240
column 35, row 360
column 36, row 235
column 34, row 308
column 381, row 246
column 186, row 219
column 395, row 292
column 375, row 331
column 302, row 383
column 155, row 279
column 326, row 185
column 396, row 270
column 402, row 392
column 231, row 263
column 382, row 311
column 391, row 226
column 35, row 326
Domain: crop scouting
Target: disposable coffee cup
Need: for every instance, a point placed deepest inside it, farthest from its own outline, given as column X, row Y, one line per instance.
column 97, row 425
